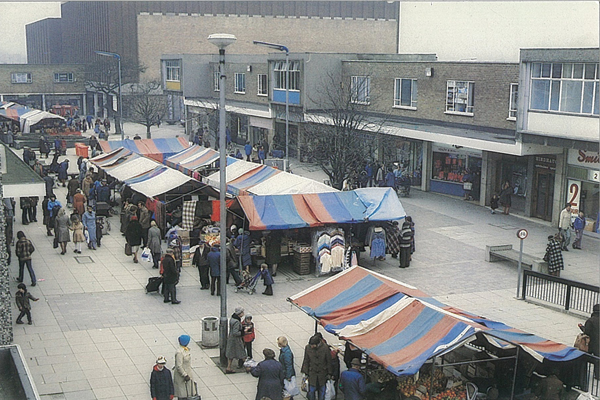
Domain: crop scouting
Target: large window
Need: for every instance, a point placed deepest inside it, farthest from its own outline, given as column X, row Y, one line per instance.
column 240, row 83
column 173, row 70
column 216, row 77
column 460, row 97
column 361, row 89
column 63, row 77
column 21, row 77
column 405, row 93
column 279, row 69
column 565, row 87
column 512, row 106
column 263, row 85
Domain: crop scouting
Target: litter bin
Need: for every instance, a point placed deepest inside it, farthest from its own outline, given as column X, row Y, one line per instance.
column 81, row 150
column 210, row 331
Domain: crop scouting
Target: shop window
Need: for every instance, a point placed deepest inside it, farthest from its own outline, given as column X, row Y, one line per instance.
column 216, row 82
column 279, row 70
column 460, row 97
column 21, row 77
column 565, row 87
column 405, row 93
column 263, row 86
column 173, row 69
column 360, row 89
column 512, row 106
column 63, row 77
column 453, row 167
column 240, row 83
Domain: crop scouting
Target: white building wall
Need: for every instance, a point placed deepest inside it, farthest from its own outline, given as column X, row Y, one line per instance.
column 495, row 30
column 566, row 126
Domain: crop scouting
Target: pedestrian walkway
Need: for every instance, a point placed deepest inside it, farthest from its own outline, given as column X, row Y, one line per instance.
column 96, row 334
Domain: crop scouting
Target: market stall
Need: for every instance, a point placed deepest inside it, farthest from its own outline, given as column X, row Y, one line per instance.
column 156, row 149
column 196, row 161
column 406, row 334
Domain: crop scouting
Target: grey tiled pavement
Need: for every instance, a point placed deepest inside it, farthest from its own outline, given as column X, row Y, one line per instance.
column 96, row 334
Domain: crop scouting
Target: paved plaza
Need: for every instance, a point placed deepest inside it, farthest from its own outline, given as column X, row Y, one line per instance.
column 96, row 334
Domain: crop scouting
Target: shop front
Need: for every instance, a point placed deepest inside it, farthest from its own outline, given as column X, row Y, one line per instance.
column 513, row 169
column 452, row 165
column 408, row 155
column 544, row 171
column 583, row 177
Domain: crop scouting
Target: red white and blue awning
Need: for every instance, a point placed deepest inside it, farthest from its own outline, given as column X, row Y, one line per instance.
column 157, row 149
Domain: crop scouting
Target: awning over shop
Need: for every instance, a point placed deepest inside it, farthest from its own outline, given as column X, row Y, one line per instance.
column 190, row 160
column 32, row 117
column 157, row 149
column 272, row 212
column 247, row 177
column 398, row 327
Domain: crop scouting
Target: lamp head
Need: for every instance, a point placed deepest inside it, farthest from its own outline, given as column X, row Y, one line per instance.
column 221, row 40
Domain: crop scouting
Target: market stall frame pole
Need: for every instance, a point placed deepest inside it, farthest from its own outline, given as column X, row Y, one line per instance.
column 118, row 57
column 281, row 47
column 222, row 40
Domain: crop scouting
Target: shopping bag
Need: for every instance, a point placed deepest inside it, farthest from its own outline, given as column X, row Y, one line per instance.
column 290, row 388
column 87, row 236
column 329, row 390
column 128, row 251
column 146, row 255
column 304, row 385
column 250, row 363
column 582, row 342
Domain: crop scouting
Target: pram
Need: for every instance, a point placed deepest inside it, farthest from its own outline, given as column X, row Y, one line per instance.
column 249, row 282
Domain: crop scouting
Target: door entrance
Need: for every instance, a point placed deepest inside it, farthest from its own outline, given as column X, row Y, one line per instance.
column 543, row 194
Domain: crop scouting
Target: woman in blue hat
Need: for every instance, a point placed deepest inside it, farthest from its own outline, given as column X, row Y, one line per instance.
column 182, row 373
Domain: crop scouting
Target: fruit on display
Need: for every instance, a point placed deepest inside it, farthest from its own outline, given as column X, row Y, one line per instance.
column 407, row 387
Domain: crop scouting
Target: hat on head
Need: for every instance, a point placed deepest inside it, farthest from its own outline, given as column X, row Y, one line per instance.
column 233, row 228
column 184, row 340
column 169, row 251
column 161, row 360
column 241, row 231
column 355, row 361
column 239, row 310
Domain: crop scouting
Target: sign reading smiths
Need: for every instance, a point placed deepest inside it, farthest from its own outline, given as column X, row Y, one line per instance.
column 584, row 158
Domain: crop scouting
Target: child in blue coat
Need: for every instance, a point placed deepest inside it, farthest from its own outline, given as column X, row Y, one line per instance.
column 267, row 279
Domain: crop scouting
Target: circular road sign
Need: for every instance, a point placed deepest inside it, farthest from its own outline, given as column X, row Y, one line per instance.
column 522, row 234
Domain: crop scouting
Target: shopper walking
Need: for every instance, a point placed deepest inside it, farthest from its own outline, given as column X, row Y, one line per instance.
column 564, row 226
column 133, row 235
column 235, row 343
column 78, row 237
column 352, row 382
column 505, row 197
column 24, row 249
column 61, row 230
column 214, row 263
column 578, row 226
column 22, row 298
column 270, row 376
column 242, row 243
column 286, row 358
column 89, row 222
column 171, row 278
column 161, row 382
column 200, row 261
column 317, row 366
column 553, row 255
column 154, row 243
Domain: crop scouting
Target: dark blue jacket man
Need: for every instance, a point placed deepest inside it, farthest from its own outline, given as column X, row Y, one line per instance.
column 248, row 150
column 352, row 382
column 214, row 262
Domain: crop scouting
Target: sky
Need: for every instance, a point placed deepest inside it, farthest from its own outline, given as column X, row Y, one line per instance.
column 13, row 18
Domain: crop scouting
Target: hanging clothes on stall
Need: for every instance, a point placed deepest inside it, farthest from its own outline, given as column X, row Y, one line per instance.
column 376, row 240
column 329, row 249
column 188, row 214
column 160, row 215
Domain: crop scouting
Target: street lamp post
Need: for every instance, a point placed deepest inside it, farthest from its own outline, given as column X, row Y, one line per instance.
column 222, row 40
column 281, row 47
column 118, row 57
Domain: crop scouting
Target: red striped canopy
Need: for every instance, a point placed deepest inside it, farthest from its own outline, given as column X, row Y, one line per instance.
column 157, row 149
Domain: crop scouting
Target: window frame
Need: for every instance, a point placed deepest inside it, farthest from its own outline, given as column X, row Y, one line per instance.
column 414, row 92
column 513, row 102
column 470, row 100
column 556, row 82
column 70, row 77
column 170, row 69
column 262, row 88
column 279, row 68
column 236, row 80
column 216, row 80
column 365, row 88
column 28, row 77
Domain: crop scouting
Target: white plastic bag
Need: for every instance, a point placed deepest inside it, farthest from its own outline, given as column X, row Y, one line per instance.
column 250, row 363
column 146, row 255
column 290, row 388
column 329, row 390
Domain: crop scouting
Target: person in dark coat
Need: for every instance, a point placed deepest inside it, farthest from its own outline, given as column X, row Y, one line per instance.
column 44, row 146
column 22, row 298
column 592, row 329
column 49, row 184
column 268, row 281
column 270, row 376
column 273, row 251
column 232, row 264
column 24, row 249
column 133, row 235
column 154, row 243
column 62, row 172
column 317, row 366
column 406, row 237
column 242, row 243
column 235, row 342
column 286, row 358
column 505, row 197
column 161, row 381
column 214, row 263
column 554, row 255
column 200, row 261
column 352, row 382
column 171, row 278
column 72, row 187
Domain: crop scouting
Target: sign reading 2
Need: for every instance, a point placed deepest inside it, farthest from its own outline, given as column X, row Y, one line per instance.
column 573, row 195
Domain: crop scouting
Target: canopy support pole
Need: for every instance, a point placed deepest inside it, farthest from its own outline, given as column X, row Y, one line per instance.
column 431, row 378
column 512, row 390
column 316, row 325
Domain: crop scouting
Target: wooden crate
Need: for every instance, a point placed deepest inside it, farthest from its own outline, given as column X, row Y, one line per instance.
column 301, row 264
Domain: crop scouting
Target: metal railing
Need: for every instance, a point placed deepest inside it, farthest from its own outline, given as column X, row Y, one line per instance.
column 570, row 295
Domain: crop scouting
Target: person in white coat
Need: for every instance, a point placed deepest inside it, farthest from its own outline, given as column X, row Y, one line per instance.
column 182, row 373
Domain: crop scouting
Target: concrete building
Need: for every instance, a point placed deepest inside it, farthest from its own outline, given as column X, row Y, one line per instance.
column 44, row 86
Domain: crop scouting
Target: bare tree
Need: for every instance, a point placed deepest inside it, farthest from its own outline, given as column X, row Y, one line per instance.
column 146, row 105
column 103, row 76
column 340, row 133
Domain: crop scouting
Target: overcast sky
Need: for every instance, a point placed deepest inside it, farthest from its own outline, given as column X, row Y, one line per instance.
column 13, row 18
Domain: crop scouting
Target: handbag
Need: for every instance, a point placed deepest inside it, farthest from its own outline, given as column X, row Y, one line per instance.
column 304, row 384
column 582, row 342
column 128, row 251
column 290, row 388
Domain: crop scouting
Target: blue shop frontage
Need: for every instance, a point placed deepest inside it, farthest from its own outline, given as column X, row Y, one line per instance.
column 455, row 168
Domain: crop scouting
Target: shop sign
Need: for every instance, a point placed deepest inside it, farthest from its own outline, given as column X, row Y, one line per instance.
column 441, row 148
column 545, row 163
column 584, row 158
column 594, row 175
column 573, row 195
